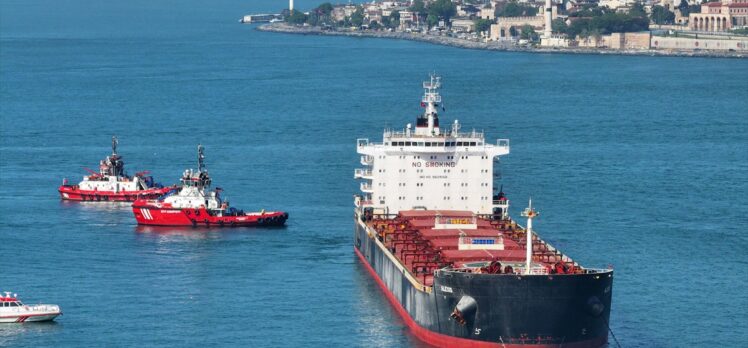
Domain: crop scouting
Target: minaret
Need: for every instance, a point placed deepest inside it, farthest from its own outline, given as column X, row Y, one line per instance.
column 530, row 214
column 290, row 5
column 548, row 25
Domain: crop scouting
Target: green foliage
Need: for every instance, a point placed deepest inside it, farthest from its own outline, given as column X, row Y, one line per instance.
column 661, row 15
column 357, row 18
column 559, row 25
column 513, row 9
column 443, row 9
column 528, row 33
column 296, row 17
column 324, row 9
column 606, row 24
column 482, row 24
column 637, row 10
column 374, row 25
column 513, row 31
column 741, row 31
column 391, row 21
column 395, row 17
column 418, row 7
column 685, row 9
column 589, row 11
column 432, row 20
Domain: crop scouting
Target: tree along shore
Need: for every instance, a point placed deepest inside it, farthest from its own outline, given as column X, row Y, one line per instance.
column 490, row 45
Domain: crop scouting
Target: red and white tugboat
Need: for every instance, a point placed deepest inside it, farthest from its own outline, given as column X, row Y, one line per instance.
column 12, row 310
column 112, row 184
column 195, row 205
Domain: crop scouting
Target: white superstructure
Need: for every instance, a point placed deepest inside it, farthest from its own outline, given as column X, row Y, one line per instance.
column 195, row 192
column 430, row 167
column 112, row 176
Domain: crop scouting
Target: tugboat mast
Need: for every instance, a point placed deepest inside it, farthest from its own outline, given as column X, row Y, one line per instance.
column 530, row 213
column 200, row 158
column 115, row 142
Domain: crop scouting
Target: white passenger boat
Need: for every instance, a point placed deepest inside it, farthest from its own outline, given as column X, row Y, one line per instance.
column 12, row 310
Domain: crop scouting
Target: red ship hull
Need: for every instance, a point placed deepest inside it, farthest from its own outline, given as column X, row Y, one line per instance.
column 147, row 213
column 73, row 193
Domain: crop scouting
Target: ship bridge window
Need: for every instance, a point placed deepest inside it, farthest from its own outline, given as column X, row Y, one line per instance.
column 428, row 144
column 459, row 143
column 472, row 143
column 439, row 144
column 14, row 304
column 451, row 143
column 420, row 143
column 407, row 143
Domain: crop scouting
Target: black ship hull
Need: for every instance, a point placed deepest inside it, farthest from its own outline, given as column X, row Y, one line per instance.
column 489, row 310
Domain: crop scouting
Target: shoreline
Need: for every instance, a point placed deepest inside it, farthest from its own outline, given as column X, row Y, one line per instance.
column 491, row 45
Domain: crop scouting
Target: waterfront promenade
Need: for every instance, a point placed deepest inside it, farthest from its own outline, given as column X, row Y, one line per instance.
column 488, row 45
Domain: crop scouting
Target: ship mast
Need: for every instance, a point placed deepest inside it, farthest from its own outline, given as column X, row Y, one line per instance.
column 428, row 123
column 115, row 142
column 530, row 213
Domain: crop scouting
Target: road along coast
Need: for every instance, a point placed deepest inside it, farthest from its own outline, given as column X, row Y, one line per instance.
column 490, row 45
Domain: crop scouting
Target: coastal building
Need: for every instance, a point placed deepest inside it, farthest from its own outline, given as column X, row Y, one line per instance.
column 463, row 25
column 488, row 13
column 615, row 4
column 407, row 18
column 339, row 13
column 720, row 16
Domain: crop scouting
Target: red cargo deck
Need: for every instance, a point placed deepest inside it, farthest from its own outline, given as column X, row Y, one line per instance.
column 426, row 240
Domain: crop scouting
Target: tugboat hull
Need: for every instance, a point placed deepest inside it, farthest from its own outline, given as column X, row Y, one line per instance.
column 151, row 215
column 73, row 193
column 569, row 310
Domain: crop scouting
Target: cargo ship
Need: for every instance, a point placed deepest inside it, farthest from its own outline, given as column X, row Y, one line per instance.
column 195, row 204
column 433, row 230
column 112, row 184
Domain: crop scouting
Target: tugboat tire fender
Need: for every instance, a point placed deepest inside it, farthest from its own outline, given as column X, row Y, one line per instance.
column 194, row 222
column 261, row 220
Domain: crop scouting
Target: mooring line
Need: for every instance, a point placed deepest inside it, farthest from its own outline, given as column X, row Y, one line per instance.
column 612, row 334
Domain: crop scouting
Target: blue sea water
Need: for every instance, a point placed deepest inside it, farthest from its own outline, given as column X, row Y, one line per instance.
column 637, row 162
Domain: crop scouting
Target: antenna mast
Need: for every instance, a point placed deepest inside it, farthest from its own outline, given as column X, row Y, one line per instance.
column 200, row 159
column 114, row 144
